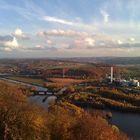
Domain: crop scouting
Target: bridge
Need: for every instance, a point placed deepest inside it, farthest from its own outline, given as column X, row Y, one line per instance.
column 42, row 93
column 39, row 92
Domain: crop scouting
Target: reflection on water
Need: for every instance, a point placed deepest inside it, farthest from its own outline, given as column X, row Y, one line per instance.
column 39, row 99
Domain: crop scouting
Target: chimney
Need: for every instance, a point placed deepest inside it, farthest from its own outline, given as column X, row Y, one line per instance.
column 111, row 76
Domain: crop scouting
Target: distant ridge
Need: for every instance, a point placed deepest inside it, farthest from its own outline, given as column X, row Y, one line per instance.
column 106, row 60
column 93, row 60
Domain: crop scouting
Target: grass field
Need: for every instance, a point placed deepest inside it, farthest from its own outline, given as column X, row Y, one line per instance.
column 39, row 82
column 64, row 81
column 52, row 81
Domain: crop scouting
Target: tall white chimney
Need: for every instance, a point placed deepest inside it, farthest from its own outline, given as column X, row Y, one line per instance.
column 111, row 75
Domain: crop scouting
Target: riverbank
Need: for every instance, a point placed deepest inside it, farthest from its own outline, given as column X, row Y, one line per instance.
column 127, row 122
column 104, row 98
column 24, row 81
column 105, row 106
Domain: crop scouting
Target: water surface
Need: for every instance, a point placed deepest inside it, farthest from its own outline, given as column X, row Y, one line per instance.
column 129, row 123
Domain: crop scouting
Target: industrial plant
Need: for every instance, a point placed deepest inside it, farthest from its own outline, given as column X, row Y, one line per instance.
column 121, row 81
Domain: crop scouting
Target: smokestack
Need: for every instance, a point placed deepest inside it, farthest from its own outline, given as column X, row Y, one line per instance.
column 111, row 78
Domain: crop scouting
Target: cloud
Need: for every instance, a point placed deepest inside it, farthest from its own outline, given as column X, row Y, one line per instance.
column 7, row 49
column 62, row 33
column 57, row 20
column 5, row 38
column 71, row 39
column 54, row 40
column 80, row 33
column 48, row 41
column 40, row 47
column 74, row 23
column 90, row 41
column 105, row 16
column 19, row 34
column 130, row 45
column 119, row 42
column 132, row 39
column 8, row 43
column 12, row 44
column 67, row 39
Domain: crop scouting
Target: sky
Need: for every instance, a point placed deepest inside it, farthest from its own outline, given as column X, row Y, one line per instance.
column 69, row 28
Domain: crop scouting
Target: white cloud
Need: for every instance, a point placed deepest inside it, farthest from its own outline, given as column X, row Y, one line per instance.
column 42, row 34
column 90, row 41
column 105, row 16
column 49, row 41
column 57, row 20
column 19, row 34
column 68, row 40
column 64, row 33
column 74, row 23
column 38, row 46
column 8, row 43
column 120, row 42
column 71, row 39
column 7, row 49
column 132, row 39
column 12, row 44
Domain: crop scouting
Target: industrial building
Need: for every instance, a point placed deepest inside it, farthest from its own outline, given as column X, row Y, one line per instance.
column 122, row 82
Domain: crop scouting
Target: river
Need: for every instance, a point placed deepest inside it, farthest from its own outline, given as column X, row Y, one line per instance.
column 39, row 99
column 129, row 123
